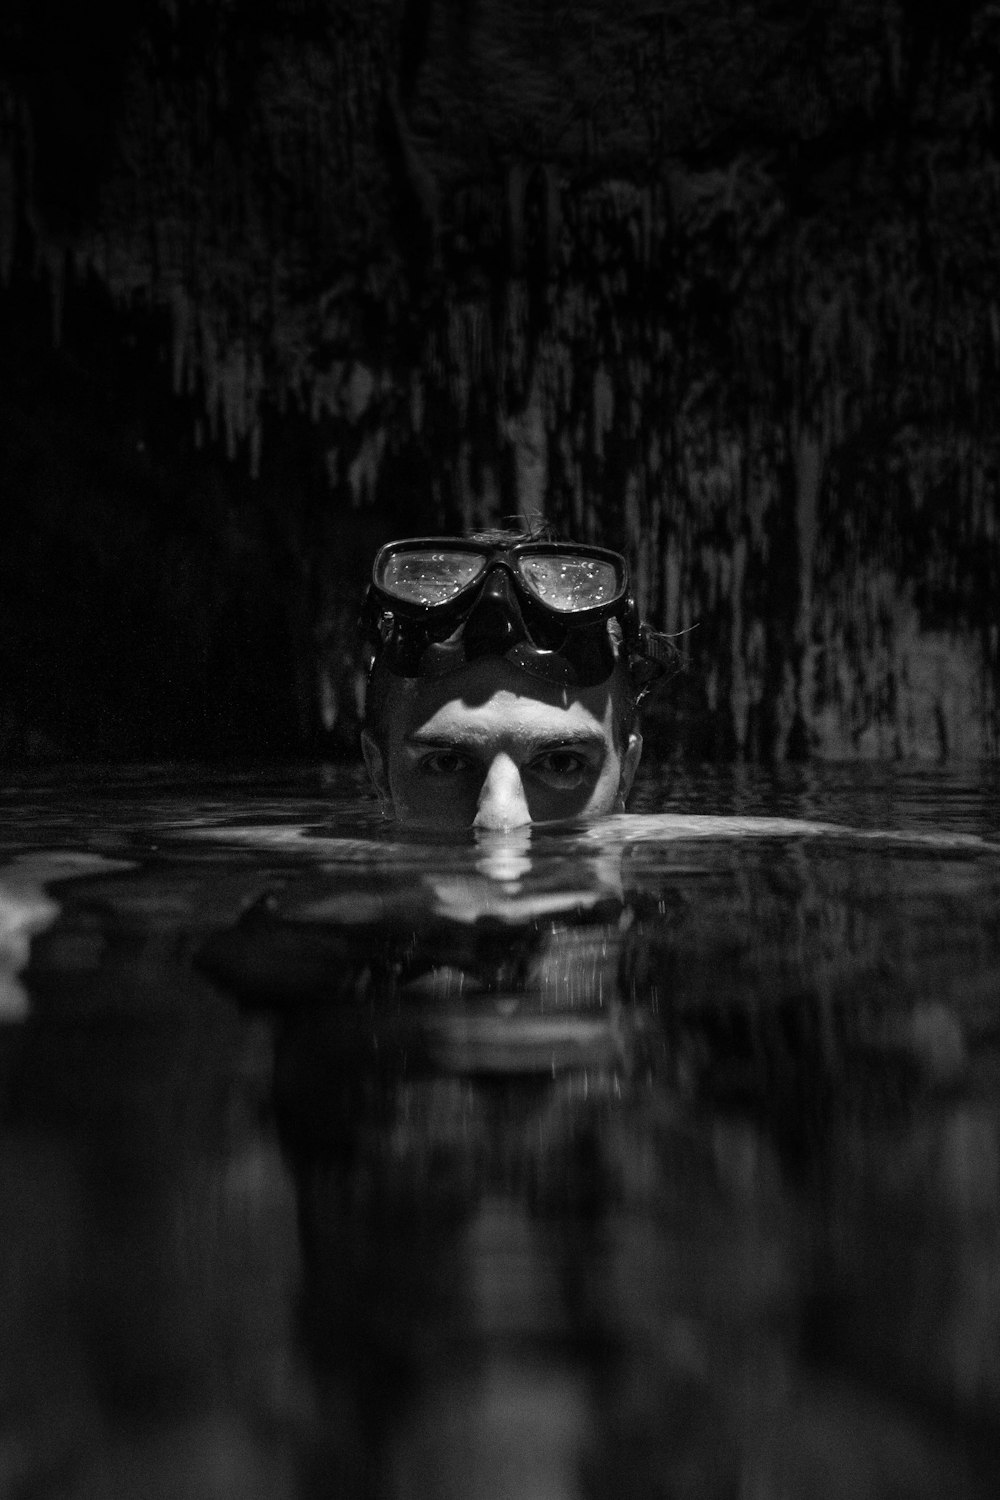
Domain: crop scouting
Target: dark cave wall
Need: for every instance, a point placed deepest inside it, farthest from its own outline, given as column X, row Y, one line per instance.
column 716, row 285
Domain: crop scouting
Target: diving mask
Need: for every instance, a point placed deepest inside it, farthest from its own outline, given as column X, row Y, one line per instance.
column 436, row 603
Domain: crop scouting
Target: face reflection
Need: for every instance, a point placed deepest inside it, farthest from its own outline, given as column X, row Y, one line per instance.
column 492, row 747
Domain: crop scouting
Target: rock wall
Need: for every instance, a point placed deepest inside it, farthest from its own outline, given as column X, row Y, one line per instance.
column 718, row 286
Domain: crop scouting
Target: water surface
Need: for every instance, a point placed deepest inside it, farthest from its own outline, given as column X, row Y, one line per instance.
column 655, row 1156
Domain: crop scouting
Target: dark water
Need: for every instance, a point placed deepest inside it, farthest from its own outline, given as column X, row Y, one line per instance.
column 656, row 1157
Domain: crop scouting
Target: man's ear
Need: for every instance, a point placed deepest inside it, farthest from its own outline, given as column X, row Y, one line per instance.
column 375, row 762
column 630, row 764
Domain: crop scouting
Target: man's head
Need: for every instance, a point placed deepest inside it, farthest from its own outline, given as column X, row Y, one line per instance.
column 503, row 689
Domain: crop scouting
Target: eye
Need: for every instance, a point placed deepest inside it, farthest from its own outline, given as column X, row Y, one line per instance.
column 444, row 763
column 566, row 767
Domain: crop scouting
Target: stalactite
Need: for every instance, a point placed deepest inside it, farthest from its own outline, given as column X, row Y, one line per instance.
column 672, row 589
column 233, row 388
column 180, row 333
column 676, row 320
column 809, row 461
column 515, row 339
column 553, row 212
column 362, row 475
column 526, row 432
column 460, row 382
column 417, row 402
column 633, row 538
column 8, row 188
column 603, row 408
column 516, row 185
column 54, row 256
column 211, row 373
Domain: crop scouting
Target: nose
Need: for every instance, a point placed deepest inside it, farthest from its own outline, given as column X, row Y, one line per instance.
column 502, row 803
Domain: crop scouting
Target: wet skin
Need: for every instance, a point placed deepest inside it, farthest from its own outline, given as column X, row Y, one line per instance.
column 492, row 747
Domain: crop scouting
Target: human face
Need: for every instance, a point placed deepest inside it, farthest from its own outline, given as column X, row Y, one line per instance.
column 492, row 747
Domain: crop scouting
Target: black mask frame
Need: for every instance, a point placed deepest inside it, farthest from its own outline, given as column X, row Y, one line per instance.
column 496, row 613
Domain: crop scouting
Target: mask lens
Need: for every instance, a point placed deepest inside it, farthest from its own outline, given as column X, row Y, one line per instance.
column 568, row 583
column 426, row 577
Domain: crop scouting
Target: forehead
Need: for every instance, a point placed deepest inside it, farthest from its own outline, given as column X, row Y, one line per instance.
column 493, row 698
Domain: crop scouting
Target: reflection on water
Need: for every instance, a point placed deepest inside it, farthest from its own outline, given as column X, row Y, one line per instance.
column 655, row 1157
